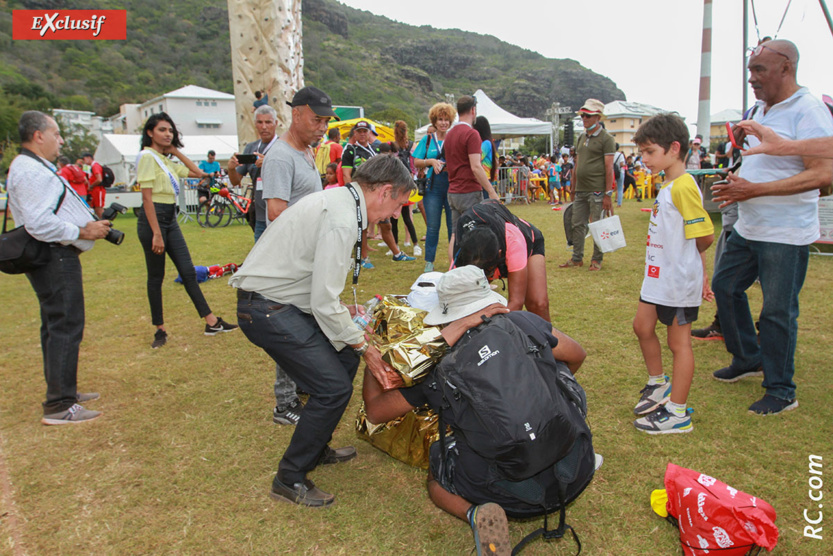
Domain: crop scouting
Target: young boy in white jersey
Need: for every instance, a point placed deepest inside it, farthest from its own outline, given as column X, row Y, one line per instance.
column 680, row 230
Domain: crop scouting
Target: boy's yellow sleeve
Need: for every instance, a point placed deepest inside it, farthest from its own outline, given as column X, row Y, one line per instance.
column 686, row 197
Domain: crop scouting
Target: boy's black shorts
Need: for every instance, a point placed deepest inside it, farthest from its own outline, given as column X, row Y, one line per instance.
column 665, row 314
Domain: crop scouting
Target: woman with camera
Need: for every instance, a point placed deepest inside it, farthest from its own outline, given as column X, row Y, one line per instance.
column 427, row 156
column 158, row 177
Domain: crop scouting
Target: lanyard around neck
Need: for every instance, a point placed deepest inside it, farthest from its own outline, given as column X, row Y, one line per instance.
column 357, row 266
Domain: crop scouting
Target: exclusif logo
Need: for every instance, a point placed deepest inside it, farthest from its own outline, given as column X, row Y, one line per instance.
column 61, row 25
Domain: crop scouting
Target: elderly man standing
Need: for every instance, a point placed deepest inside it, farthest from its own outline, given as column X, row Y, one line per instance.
column 266, row 119
column 52, row 212
column 592, row 181
column 777, row 201
column 288, row 305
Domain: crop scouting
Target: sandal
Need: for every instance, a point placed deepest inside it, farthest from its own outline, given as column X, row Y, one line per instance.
column 571, row 263
column 595, row 265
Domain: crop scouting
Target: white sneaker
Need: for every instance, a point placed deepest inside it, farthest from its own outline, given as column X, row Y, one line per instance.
column 389, row 253
column 417, row 251
column 407, row 244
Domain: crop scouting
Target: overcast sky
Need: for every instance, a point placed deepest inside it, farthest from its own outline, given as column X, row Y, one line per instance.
column 661, row 64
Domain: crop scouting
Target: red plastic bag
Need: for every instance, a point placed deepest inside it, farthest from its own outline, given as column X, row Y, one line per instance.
column 716, row 518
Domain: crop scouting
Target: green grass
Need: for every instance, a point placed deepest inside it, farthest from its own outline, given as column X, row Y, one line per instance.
column 182, row 460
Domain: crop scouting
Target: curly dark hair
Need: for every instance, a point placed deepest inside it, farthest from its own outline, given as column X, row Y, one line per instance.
column 151, row 124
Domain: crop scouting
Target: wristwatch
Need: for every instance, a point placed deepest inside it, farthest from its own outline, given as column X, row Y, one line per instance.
column 360, row 351
column 609, row 193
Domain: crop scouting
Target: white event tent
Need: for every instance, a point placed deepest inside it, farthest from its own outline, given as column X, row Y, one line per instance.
column 119, row 151
column 503, row 123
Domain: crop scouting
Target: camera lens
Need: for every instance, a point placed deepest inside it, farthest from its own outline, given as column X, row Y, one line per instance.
column 114, row 236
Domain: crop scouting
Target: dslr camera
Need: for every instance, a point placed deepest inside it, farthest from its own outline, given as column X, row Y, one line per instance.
column 114, row 236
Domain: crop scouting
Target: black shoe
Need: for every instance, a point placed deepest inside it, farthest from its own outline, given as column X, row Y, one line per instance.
column 711, row 332
column 731, row 374
column 337, row 456
column 159, row 339
column 770, row 405
column 219, row 326
column 290, row 415
column 303, row 494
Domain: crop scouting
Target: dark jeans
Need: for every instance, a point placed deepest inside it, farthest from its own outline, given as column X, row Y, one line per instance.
column 61, row 297
column 782, row 269
column 260, row 227
column 177, row 250
column 294, row 340
column 434, row 201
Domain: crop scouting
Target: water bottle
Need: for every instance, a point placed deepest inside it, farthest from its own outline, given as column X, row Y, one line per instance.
column 363, row 320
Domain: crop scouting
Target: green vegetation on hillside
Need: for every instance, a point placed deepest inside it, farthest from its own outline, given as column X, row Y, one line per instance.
column 395, row 71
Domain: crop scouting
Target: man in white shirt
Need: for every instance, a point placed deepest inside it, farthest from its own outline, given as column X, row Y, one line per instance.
column 52, row 212
column 777, row 221
column 288, row 305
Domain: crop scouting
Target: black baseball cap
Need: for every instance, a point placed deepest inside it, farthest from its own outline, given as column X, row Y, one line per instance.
column 318, row 101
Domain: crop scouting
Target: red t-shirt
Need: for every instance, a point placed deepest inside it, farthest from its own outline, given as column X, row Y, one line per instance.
column 76, row 178
column 96, row 172
column 335, row 151
column 461, row 141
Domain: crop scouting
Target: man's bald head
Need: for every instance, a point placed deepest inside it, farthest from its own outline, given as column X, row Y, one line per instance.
column 785, row 48
column 772, row 71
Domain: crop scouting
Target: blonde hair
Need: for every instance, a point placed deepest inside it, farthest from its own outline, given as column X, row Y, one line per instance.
column 442, row 110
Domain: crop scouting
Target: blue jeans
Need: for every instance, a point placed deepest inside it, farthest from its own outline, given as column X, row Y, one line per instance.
column 260, row 227
column 620, row 188
column 295, row 341
column 782, row 269
column 61, row 297
column 434, row 201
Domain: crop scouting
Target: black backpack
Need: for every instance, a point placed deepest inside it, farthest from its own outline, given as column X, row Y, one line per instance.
column 518, row 408
column 493, row 214
column 107, row 176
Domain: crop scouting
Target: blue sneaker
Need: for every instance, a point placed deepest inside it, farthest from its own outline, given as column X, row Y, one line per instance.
column 429, row 267
column 403, row 257
column 367, row 265
column 653, row 397
column 662, row 421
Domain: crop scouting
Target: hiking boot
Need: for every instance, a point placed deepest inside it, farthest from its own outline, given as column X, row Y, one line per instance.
column 711, row 332
column 290, row 415
column 770, row 405
column 219, row 326
column 303, row 494
column 73, row 415
column 571, row 263
column 81, row 398
column 491, row 529
column 652, row 397
column 662, row 421
column 160, row 338
column 340, row 455
column 731, row 374
column 403, row 257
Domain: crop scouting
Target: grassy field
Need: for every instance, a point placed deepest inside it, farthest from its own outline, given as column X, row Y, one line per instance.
column 181, row 461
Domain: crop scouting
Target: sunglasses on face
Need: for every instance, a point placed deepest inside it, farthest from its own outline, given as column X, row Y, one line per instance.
column 586, row 116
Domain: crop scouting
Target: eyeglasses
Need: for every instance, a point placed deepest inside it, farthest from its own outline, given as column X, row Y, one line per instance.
column 585, row 116
column 760, row 48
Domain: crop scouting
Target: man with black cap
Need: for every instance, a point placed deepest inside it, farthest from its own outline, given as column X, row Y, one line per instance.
column 289, row 174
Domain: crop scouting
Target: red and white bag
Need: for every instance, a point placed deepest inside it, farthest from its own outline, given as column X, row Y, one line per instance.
column 716, row 518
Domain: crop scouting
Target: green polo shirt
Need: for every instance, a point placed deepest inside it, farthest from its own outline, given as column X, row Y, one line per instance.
column 590, row 166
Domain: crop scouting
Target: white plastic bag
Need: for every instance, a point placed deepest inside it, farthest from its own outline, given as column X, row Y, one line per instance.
column 608, row 234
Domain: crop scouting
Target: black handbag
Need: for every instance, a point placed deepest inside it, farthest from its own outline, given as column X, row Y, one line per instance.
column 19, row 251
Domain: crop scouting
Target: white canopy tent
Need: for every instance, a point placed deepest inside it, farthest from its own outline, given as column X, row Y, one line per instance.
column 119, row 151
column 503, row 123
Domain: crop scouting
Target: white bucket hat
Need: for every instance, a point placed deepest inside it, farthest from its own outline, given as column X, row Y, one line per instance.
column 461, row 292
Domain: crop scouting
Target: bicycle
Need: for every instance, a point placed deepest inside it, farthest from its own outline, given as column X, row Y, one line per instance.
column 223, row 206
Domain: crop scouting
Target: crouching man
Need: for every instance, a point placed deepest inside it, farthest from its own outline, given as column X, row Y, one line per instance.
column 460, row 481
column 288, row 305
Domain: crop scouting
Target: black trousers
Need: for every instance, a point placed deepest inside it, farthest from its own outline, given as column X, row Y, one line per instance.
column 409, row 223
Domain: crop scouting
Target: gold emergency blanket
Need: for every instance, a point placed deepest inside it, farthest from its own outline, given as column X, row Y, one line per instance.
column 406, row 438
column 406, row 344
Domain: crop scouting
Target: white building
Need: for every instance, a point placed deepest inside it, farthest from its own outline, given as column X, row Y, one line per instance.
column 622, row 119
column 71, row 121
column 195, row 110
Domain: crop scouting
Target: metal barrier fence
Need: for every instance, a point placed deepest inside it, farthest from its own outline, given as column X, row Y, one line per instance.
column 509, row 187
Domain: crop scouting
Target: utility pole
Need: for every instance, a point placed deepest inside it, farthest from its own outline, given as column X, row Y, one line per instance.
column 704, row 106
